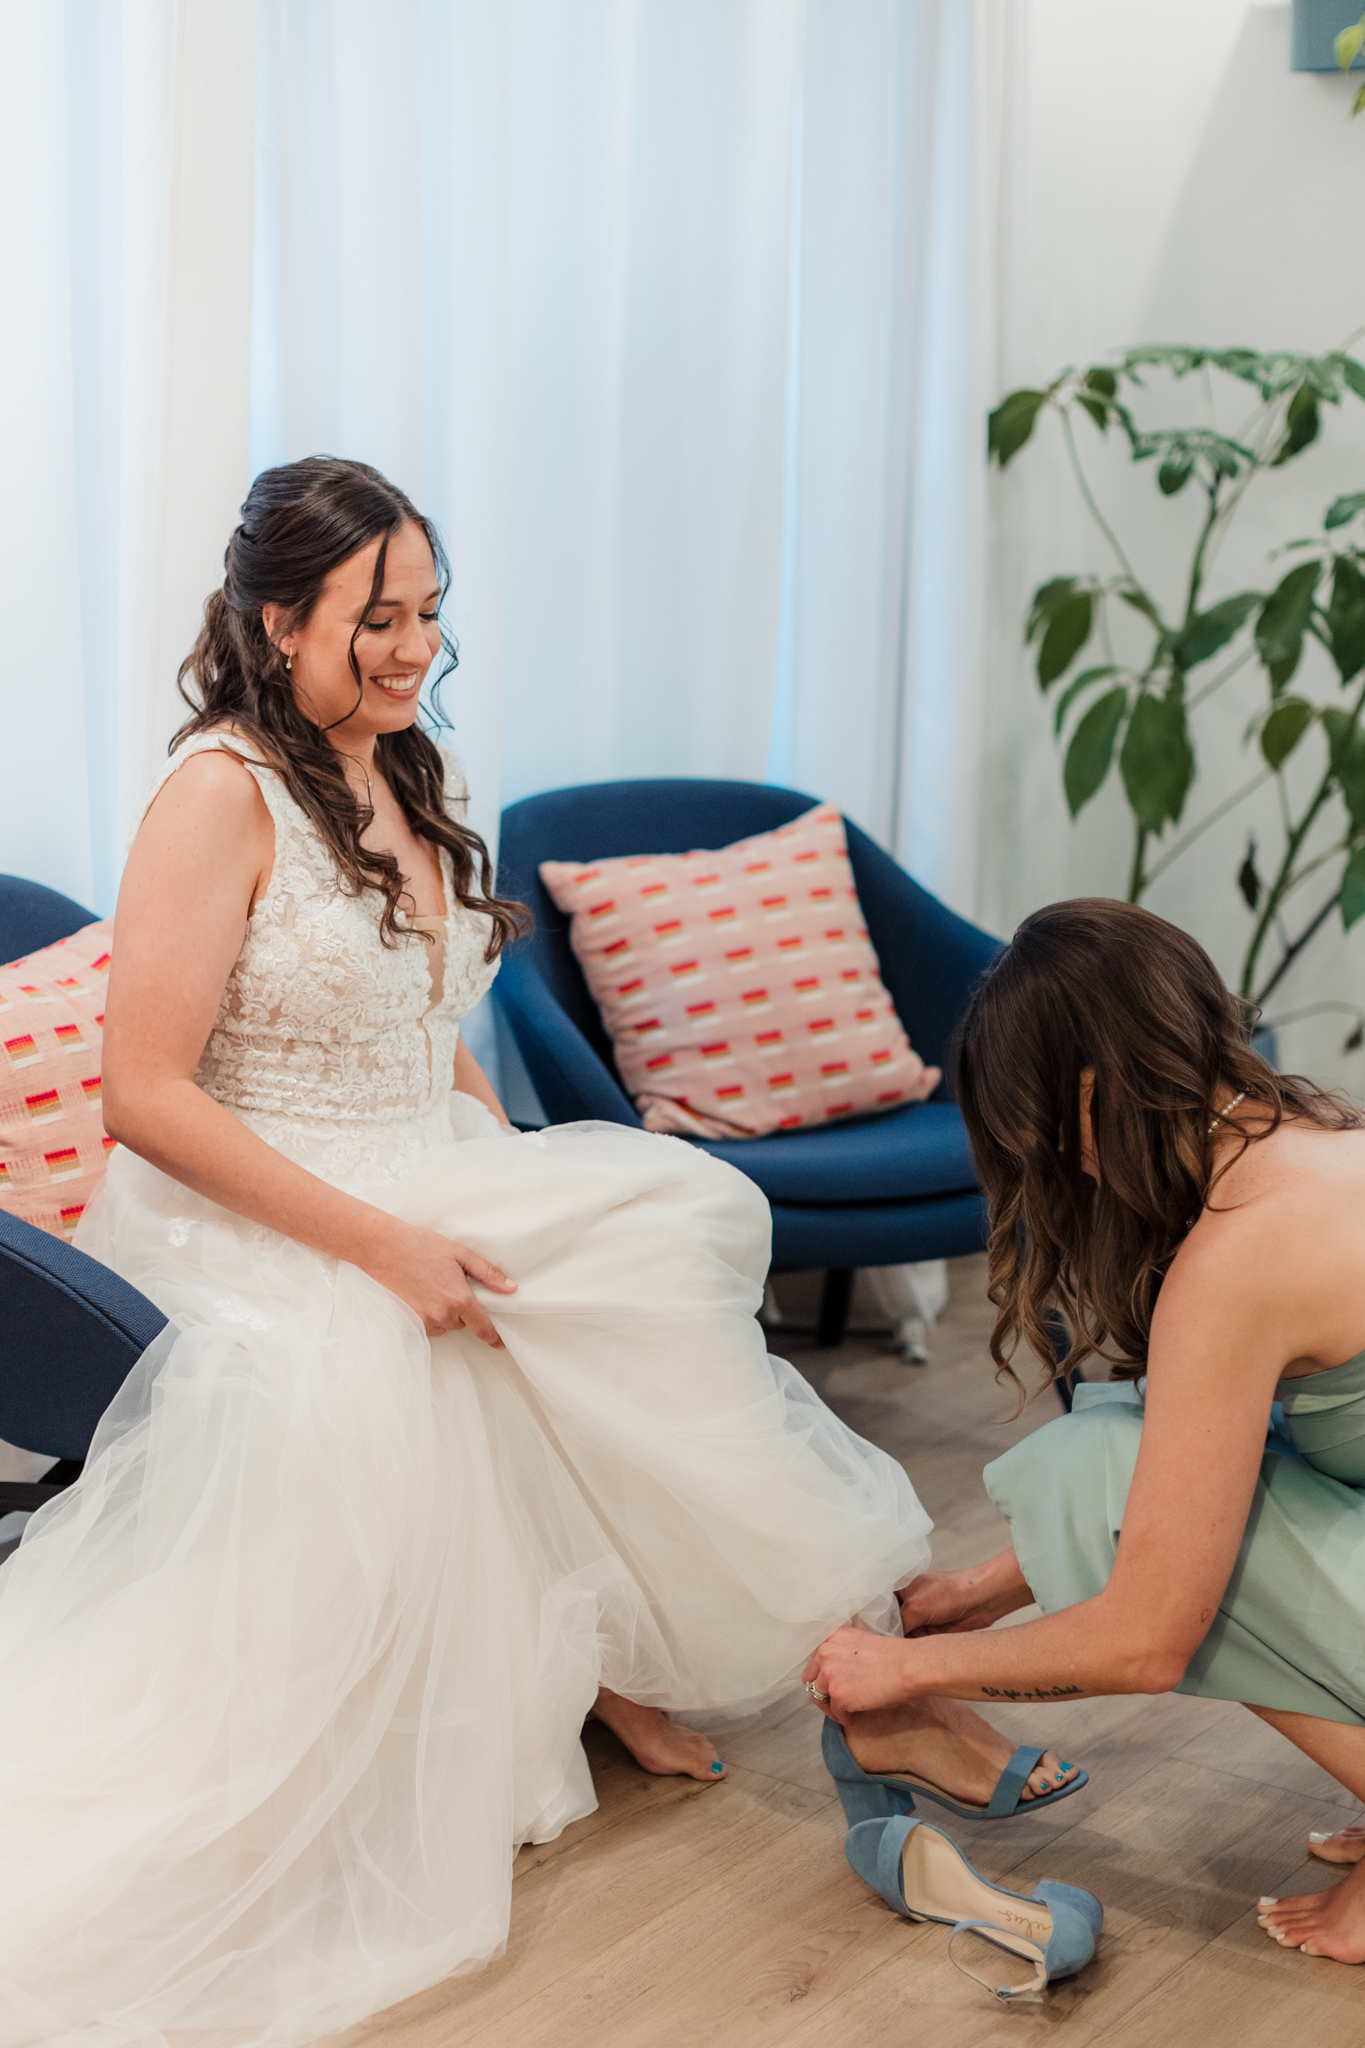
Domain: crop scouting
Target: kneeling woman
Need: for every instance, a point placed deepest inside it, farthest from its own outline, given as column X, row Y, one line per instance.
column 1200, row 1222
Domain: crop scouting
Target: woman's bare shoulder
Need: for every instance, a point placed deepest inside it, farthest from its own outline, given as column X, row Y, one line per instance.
column 1276, row 1219
column 211, row 799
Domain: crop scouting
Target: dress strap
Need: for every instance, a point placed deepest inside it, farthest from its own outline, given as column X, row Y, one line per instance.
column 283, row 813
column 456, row 787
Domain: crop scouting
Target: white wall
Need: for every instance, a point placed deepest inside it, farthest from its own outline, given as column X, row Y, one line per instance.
column 1169, row 179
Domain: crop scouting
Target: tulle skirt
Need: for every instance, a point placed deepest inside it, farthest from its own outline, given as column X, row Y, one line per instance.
column 304, row 1656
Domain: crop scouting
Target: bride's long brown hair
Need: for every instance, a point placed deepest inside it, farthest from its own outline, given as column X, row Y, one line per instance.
column 1095, row 984
column 299, row 523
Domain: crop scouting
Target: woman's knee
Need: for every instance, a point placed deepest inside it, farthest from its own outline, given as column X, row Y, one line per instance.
column 1071, row 1451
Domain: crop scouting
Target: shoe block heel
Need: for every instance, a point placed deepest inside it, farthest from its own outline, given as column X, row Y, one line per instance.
column 862, row 1797
column 865, row 1799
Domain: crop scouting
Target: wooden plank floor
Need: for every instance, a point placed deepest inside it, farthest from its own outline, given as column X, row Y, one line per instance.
column 725, row 1915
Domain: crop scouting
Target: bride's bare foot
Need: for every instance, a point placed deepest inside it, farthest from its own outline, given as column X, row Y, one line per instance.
column 656, row 1743
column 949, row 1745
column 1330, row 1923
column 1342, row 1845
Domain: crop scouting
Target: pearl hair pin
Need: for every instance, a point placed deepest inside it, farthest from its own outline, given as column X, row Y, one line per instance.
column 1221, row 1116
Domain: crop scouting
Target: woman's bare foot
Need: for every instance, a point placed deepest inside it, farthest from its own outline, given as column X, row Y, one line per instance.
column 1330, row 1923
column 656, row 1743
column 949, row 1745
column 1342, row 1845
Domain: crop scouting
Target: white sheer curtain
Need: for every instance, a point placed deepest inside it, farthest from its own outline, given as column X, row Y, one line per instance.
column 674, row 313
column 891, row 372
column 125, row 219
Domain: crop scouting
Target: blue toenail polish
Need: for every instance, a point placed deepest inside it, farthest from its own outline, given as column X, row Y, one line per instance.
column 716, row 1768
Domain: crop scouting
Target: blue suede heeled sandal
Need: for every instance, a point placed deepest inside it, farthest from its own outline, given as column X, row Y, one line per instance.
column 923, row 1875
column 877, row 1795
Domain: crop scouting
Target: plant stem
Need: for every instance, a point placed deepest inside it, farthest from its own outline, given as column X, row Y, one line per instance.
column 1297, row 881
column 1103, row 524
column 1282, row 792
column 1218, row 681
column 1295, row 839
column 1275, row 894
column 1292, row 952
column 1137, row 879
column 1219, row 811
column 1197, row 561
column 1259, row 418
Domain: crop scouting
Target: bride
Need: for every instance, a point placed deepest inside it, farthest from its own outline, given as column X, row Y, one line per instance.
column 453, row 1434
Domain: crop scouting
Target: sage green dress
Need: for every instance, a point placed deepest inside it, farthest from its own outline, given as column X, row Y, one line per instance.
column 1290, row 1630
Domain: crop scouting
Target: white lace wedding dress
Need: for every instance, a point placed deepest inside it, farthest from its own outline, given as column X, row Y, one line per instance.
column 303, row 1657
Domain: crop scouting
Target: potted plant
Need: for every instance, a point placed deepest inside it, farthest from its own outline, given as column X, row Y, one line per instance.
column 1139, row 711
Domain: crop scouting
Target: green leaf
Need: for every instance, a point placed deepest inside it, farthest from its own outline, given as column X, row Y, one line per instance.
column 1346, row 752
column 1283, row 730
column 1066, row 636
column 1156, row 760
column 1342, row 511
column 1092, row 749
column 1345, row 618
column 1348, row 44
column 1219, row 456
column 1358, row 103
column 1353, row 889
column 1337, row 725
column 1012, row 423
column 1098, row 411
column 1284, row 621
column 1046, row 598
column 1174, row 474
column 1210, row 630
column 1103, row 381
column 1074, row 688
column 1351, row 775
column 1301, row 424
column 1139, row 600
column 1176, row 358
column 1239, row 362
column 1352, row 371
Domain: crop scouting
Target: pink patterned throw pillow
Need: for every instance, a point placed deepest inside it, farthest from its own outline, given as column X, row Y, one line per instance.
column 53, row 1147
column 739, row 988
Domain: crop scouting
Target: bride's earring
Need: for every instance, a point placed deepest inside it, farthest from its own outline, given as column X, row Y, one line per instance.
column 289, row 661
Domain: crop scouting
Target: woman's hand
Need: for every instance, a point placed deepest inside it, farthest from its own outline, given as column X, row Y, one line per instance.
column 432, row 1275
column 951, row 1603
column 854, row 1672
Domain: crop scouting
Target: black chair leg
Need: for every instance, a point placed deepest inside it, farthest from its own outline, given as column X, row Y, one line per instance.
column 15, row 1496
column 835, row 1302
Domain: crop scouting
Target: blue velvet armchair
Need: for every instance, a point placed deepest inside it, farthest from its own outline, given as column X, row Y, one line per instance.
column 70, row 1330
column 874, row 1191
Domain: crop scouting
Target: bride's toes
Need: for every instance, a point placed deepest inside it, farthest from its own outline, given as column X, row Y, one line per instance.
column 659, row 1745
column 672, row 1751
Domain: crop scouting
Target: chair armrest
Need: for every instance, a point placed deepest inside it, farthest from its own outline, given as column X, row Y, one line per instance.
column 71, row 1332
column 930, row 957
column 569, row 1076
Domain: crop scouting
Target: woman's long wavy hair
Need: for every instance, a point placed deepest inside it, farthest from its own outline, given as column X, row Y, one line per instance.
column 299, row 523
column 1107, row 987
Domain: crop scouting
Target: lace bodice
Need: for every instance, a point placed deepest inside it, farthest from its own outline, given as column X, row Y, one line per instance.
column 326, row 1038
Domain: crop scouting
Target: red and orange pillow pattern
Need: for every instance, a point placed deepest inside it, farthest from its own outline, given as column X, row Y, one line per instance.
column 53, row 1146
column 739, row 988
